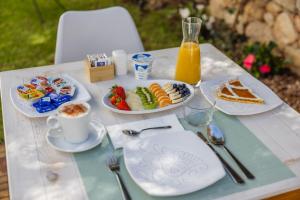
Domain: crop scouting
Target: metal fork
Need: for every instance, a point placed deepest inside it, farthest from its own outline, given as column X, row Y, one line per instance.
column 114, row 166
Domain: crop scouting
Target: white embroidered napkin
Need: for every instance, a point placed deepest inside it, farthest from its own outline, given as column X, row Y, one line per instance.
column 119, row 139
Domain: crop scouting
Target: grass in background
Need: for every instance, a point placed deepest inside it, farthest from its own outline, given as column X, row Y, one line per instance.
column 25, row 42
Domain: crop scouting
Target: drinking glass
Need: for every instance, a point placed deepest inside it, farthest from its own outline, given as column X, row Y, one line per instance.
column 199, row 114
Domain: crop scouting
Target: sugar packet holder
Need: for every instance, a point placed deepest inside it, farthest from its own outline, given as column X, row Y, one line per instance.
column 99, row 67
column 99, row 60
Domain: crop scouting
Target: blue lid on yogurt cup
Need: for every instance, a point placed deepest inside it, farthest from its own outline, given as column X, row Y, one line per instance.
column 142, row 57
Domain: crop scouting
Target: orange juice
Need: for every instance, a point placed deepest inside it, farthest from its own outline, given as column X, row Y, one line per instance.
column 188, row 63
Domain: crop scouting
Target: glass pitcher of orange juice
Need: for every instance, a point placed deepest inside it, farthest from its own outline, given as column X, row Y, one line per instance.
column 188, row 67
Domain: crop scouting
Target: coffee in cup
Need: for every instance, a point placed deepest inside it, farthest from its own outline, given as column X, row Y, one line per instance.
column 73, row 110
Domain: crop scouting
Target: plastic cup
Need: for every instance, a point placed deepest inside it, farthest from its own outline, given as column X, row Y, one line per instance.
column 120, row 59
column 142, row 65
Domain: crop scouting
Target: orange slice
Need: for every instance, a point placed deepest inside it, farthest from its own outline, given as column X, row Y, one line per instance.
column 164, row 103
column 160, row 93
column 155, row 89
column 153, row 84
column 163, row 98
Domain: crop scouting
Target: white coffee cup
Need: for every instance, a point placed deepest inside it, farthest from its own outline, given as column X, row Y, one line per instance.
column 75, row 129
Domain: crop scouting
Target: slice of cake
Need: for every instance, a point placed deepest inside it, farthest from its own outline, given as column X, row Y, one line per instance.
column 234, row 90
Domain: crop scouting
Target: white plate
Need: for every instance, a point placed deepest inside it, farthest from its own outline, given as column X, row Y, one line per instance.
column 26, row 108
column 59, row 143
column 170, row 164
column 209, row 90
column 132, row 84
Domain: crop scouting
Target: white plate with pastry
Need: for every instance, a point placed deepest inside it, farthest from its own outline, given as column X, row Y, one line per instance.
column 243, row 95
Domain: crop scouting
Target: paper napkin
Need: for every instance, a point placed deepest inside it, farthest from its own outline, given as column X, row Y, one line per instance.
column 119, row 139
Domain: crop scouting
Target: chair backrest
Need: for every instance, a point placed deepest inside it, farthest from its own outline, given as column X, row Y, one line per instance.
column 98, row 31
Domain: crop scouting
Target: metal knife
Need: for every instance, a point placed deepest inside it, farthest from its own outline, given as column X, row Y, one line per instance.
column 230, row 171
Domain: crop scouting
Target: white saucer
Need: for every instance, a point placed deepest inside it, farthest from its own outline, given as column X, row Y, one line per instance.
column 59, row 143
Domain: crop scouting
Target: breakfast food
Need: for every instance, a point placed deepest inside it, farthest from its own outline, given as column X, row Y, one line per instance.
column 28, row 92
column 118, row 98
column 133, row 100
column 118, row 91
column 235, row 91
column 161, row 96
column 67, row 90
column 47, row 93
column 147, row 98
column 176, row 92
column 50, row 102
column 58, row 82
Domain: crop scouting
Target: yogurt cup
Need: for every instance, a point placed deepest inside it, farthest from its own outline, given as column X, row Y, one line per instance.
column 142, row 65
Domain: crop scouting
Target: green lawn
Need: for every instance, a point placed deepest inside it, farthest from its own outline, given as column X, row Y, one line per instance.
column 25, row 42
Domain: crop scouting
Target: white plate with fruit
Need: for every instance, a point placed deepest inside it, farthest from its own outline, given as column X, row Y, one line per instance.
column 150, row 96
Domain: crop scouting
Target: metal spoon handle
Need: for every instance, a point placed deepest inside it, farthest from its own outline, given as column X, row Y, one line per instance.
column 158, row 127
column 125, row 193
column 242, row 167
column 233, row 174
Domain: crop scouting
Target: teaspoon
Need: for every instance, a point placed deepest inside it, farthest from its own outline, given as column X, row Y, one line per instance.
column 135, row 133
column 216, row 136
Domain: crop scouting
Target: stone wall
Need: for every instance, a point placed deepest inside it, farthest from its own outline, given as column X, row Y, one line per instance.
column 264, row 21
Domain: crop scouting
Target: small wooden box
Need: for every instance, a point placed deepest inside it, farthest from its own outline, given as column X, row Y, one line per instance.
column 99, row 73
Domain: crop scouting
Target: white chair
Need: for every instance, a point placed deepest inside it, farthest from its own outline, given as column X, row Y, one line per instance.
column 98, row 31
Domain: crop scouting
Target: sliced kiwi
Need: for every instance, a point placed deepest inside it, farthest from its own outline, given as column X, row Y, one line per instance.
column 147, row 98
column 150, row 106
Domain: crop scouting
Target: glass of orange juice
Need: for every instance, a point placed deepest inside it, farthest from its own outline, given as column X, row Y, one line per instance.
column 188, row 67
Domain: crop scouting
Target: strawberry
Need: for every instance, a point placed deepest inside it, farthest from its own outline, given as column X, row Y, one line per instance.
column 113, row 99
column 122, row 104
column 118, row 90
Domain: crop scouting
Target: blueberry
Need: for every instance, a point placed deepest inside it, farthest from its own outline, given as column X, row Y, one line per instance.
column 183, row 85
column 175, row 85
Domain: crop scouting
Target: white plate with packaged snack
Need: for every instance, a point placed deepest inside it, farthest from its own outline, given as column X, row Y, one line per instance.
column 149, row 96
column 41, row 95
column 243, row 95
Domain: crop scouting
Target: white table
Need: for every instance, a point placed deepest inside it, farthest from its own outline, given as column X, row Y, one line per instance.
column 29, row 158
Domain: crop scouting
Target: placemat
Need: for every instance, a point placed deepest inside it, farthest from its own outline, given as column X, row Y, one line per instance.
column 100, row 183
